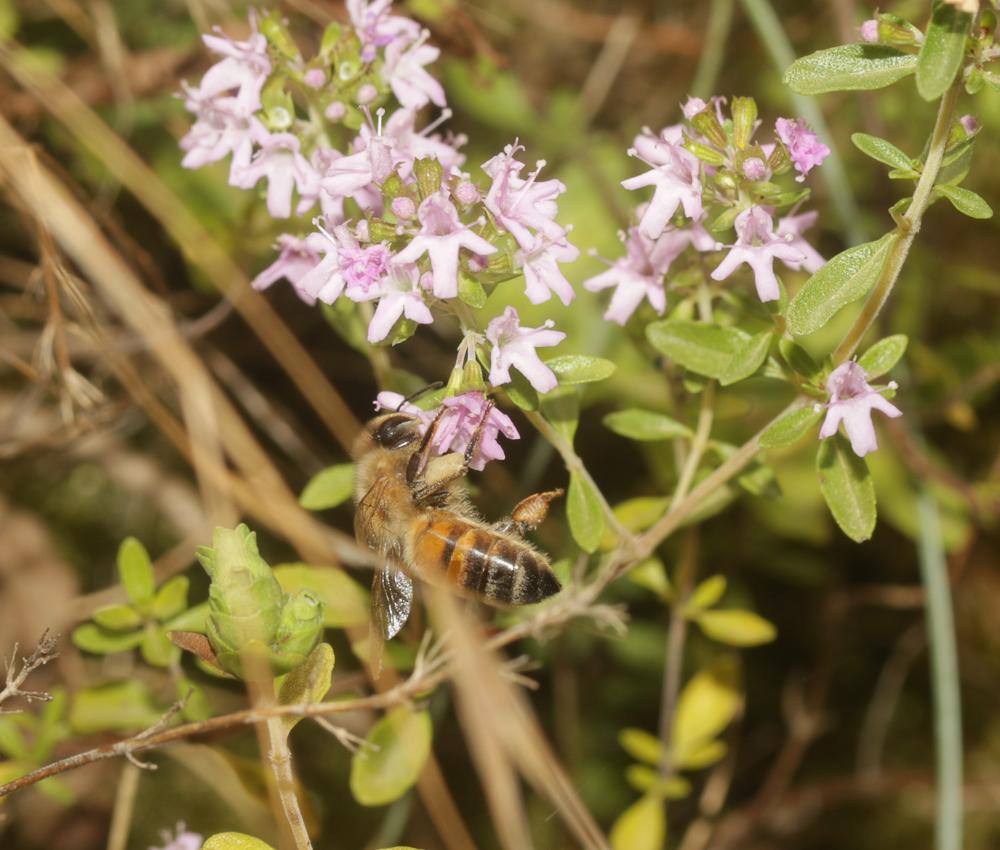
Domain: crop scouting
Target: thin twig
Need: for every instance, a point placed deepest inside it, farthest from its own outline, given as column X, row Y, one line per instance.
column 16, row 676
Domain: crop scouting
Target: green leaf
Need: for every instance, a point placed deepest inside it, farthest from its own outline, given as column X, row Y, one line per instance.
column 329, row 488
column 798, row 359
column 706, row 594
column 737, row 628
column 345, row 602
column 642, row 826
column 561, row 408
column 645, row 425
column 308, row 682
column 883, row 355
column 92, row 638
column 706, row 706
column 234, row 841
column 702, row 755
column 882, row 151
column 747, row 358
column 704, row 349
column 116, row 707
column 397, row 747
column 943, row 51
column 790, row 428
column 118, row 618
column 521, row 392
column 193, row 619
column 171, row 598
column 645, row 779
column 471, row 291
column 844, row 279
column 585, row 514
column 641, row 745
column 847, row 487
column 849, row 67
column 136, row 571
column 965, row 201
column 157, row 649
column 580, row 369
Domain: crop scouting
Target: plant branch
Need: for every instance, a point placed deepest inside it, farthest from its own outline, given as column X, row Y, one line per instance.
column 16, row 676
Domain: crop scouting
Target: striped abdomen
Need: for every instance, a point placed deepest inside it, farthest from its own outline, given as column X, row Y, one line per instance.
column 478, row 561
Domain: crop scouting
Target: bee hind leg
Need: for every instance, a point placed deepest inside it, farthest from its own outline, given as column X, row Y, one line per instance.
column 528, row 514
column 430, row 479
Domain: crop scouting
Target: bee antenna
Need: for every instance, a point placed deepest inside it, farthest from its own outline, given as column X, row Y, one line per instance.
column 423, row 391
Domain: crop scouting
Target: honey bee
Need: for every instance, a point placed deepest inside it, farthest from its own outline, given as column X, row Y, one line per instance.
column 412, row 509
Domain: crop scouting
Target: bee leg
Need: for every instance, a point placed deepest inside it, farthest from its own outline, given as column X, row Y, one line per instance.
column 418, row 460
column 426, row 492
column 528, row 514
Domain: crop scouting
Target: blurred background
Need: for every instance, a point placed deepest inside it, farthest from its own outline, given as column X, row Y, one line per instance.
column 833, row 747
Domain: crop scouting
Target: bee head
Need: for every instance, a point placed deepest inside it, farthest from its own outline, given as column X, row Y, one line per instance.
column 392, row 431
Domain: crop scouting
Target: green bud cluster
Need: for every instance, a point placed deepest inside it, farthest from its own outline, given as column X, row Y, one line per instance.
column 251, row 620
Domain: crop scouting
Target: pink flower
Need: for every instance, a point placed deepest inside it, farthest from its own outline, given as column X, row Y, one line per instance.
column 347, row 268
column 284, row 168
column 459, row 424
column 804, row 146
column 222, row 127
column 377, row 28
column 790, row 228
column 406, row 75
column 970, row 124
column 674, row 172
column 359, row 174
column 852, row 401
column 245, row 67
column 639, row 274
column 693, row 106
column 869, row 31
column 442, row 235
column 758, row 246
column 408, row 144
column 296, row 258
column 515, row 346
column 754, row 168
column 399, row 294
column 182, row 840
column 520, row 206
column 542, row 275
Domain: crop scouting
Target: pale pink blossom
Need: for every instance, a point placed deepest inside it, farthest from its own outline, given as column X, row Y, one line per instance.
column 460, row 423
column 514, row 345
column 347, row 268
column 693, row 106
column 409, row 144
column 399, row 294
column 358, row 175
column 852, row 401
column 804, row 146
column 283, row 166
column 181, row 839
column 759, row 246
column 406, row 75
column 754, row 168
column 522, row 206
column 245, row 67
column 542, row 275
column 442, row 235
column 296, row 258
column 869, row 31
column 970, row 124
column 674, row 174
column 790, row 228
column 377, row 28
column 222, row 127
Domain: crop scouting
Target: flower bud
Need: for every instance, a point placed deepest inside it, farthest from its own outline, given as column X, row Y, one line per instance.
column 466, row 193
column 429, row 173
column 706, row 154
column 707, row 123
column 366, row 94
column 299, row 630
column 403, row 208
column 335, row 111
column 897, row 32
column 744, row 112
column 314, row 78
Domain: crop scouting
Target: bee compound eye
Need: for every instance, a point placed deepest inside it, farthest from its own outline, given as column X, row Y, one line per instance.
column 396, row 432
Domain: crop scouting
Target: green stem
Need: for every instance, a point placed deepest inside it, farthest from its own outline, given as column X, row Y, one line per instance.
column 909, row 228
column 720, row 21
column 944, row 676
column 833, row 173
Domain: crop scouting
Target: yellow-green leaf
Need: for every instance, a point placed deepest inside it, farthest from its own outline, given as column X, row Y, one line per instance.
column 641, row 745
column 116, row 707
column 308, row 682
column 170, row 599
column 585, row 514
column 390, row 763
column 642, row 826
column 706, row 594
column 136, row 571
column 234, row 841
column 645, row 425
column 737, row 628
column 329, row 488
column 645, row 779
column 345, row 602
column 118, row 618
column 707, row 704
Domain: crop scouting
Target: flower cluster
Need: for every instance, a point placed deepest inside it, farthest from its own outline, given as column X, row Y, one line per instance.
column 391, row 220
column 710, row 177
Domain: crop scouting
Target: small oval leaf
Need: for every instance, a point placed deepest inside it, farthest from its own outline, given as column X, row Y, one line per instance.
column 849, row 67
column 966, row 201
column 704, row 349
column 170, row 599
column 943, row 50
column 136, row 571
column 329, row 488
column 847, row 487
column 706, row 594
column 234, row 841
column 737, row 628
column 580, row 368
column 92, row 638
column 641, row 745
column 844, row 279
column 883, row 355
column 585, row 513
column 115, row 707
column 882, row 151
column 118, row 618
column 642, row 826
column 747, row 358
column 393, row 757
column 645, row 425
column 308, row 682
column 707, row 704
column 790, row 428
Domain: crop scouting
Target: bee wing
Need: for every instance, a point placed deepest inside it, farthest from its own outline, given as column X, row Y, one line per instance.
column 371, row 516
column 392, row 596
